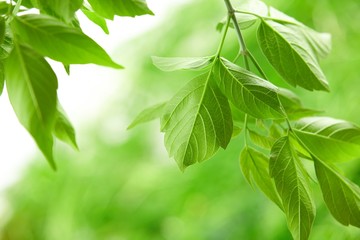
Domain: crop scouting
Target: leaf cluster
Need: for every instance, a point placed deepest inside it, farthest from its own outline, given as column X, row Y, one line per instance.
column 279, row 133
column 53, row 31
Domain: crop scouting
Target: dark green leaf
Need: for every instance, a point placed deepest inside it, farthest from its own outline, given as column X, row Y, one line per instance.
column 291, row 55
column 341, row 196
column 6, row 45
column 96, row 18
column 31, row 86
column 292, row 184
column 255, row 167
column 62, row 9
column 110, row 8
column 329, row 139
column 149, row 114
column 58, row 41
column 63, row 128
column 179, row 63
column 197, row 121
column 2, row 78
column 247, row 91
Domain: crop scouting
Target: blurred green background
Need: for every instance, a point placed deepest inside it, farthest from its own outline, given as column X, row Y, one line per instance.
column 124, row 186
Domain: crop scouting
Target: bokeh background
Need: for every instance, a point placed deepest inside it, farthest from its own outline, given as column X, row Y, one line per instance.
column 122, row 184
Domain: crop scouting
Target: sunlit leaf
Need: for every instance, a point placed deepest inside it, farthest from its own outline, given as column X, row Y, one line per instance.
column 341, row 196
column 62, row 9
column 96, row 18
column 291, row 55
column 181, row 63
column 63, row 129
column 292, row 184
column 31, row 86
column 197, row 121
column 2, row 78
column 149, row 114
column 58, row 41
column 110, row 8
column 247, row 91
column 330, row 140
column 254, row 166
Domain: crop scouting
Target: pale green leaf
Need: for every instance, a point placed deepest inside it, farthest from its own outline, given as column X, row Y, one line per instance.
column 31, row 86
column 149, row 114
column 110, row 8
column 95, row 18
column 58, row 41
column 248, row 92
column 293, row 106
column 63, row 128
column 330, row 140
column 260, row 140
column 254, row 166
column 244, row 21
column 292, row 185
column 341, row 196
column 62, row 9
column 197, row 121
column 291, row 55
column 181, row 63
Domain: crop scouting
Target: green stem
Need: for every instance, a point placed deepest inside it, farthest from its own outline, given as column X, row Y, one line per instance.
column 268, row 18
column 223, row 37
column 243, row 48
column 257, row 65
column 15, row 11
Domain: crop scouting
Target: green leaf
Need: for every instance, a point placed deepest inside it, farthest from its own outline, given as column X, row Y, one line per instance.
column 247, row 91
column 341, row 196
column 260, row 140
column 292, row 184
column 330, row 140
column 254, row 166
column 197, row 121
column 96, row 18
column 2, row 78
column 63, row 128
column 149, row 114
column 293, row 106
column 244, row 21
column 62, row 9
column 179, row 63
column 31, row 86
column 6, row 45
column 291, row 55
column 58, row 41
column 130, row 8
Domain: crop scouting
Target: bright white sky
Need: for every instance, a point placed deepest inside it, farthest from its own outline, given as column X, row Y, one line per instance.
column 83, row 94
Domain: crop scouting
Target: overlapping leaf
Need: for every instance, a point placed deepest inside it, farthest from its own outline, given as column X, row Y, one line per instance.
column 31, row 86
column 197, row 121
column 247, row 91
column 58, row 41
column 110, row 8
column 341, row 196
column 181, row 63
column 62, row 9
column 293, row 106
column 329, row 139
column 291, row 55
column 255, row 167
column 293, row 187
column 149, row 114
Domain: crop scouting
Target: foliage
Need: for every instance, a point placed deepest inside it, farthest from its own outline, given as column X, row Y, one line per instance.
column 201, row 117
column 198, row 119
column 26, row 39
